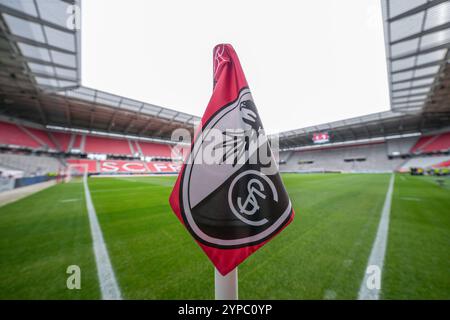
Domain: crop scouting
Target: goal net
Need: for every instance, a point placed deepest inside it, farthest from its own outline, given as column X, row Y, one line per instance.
column 76, row 173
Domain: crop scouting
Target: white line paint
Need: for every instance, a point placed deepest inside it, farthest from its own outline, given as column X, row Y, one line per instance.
column 108, row 283
column 376, row 260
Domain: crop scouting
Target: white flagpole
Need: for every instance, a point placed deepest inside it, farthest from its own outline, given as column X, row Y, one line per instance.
column 226, row 287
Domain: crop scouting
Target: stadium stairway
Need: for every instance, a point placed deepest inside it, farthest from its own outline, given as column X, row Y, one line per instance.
column 40, row 137
column 423, row 141
column 71, row 142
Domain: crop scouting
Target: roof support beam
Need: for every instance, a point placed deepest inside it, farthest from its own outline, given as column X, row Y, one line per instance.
column 145, row 128
column 41, row 113
column 111, row 122
column 25, row 16
column 410, row 95
column 423, row 33
column 413, row 88
column 39, row 44
column 43, row 62
column 418, row 52
column 421, row 66
column 415, row 10
column 431, row 75
column 130, row 124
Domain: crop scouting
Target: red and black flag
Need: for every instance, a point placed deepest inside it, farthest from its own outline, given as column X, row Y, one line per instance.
column 229, row 194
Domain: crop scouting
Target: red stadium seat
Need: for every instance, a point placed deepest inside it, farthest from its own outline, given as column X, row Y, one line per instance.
column 63, row 139
column 440, row 143
column 13, row 135
column 42, row 136
column 106, row 146
column 150, row 149
column 422, row 141
column 77, row 142
column 433, row 143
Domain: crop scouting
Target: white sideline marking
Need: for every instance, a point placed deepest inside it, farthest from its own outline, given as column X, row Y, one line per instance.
column 378, row 249
column 108, row 283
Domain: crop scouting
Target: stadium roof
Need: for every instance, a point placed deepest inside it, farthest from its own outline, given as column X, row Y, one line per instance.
column 40, row 77
column 40, row 43
column 377, row 125
column 417, row 35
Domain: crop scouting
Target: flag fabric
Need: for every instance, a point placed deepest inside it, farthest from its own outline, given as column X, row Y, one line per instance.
column 229, row 194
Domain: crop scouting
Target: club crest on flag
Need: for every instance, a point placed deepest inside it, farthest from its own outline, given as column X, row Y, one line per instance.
column 229, row 194
column 237, row 204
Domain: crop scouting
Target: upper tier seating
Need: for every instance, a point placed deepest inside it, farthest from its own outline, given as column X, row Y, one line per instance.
column 433, row 143
column 63, row 140
column 42, row 137
column 77, row 139
column 420, row 143
column 11, row 134
column 106, row 145
column 440, row 143
column 155, row 149
column 21, row 136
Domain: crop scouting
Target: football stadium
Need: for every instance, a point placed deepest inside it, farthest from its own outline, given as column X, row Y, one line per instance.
column 86, row 177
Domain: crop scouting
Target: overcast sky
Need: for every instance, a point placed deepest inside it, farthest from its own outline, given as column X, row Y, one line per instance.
column 307, row 62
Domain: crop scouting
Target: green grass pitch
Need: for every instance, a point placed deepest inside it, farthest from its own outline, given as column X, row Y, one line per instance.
column 321, row 255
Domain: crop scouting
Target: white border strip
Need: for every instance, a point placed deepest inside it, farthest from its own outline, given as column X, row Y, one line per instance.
column 369, row 289
column 108, row 283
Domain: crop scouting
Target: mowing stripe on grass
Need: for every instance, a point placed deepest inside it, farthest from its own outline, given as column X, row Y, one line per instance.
column 108, row 283
column 410, row 199
column 369, row 289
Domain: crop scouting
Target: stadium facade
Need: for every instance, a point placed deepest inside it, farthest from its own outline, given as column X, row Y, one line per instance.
column 48, row 120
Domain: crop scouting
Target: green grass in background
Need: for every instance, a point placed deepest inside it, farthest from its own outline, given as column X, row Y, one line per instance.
column 40, row 236
column 321, row 255
column 418, row 255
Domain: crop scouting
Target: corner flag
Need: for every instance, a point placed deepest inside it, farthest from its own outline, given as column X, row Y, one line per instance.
column 229, row 194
